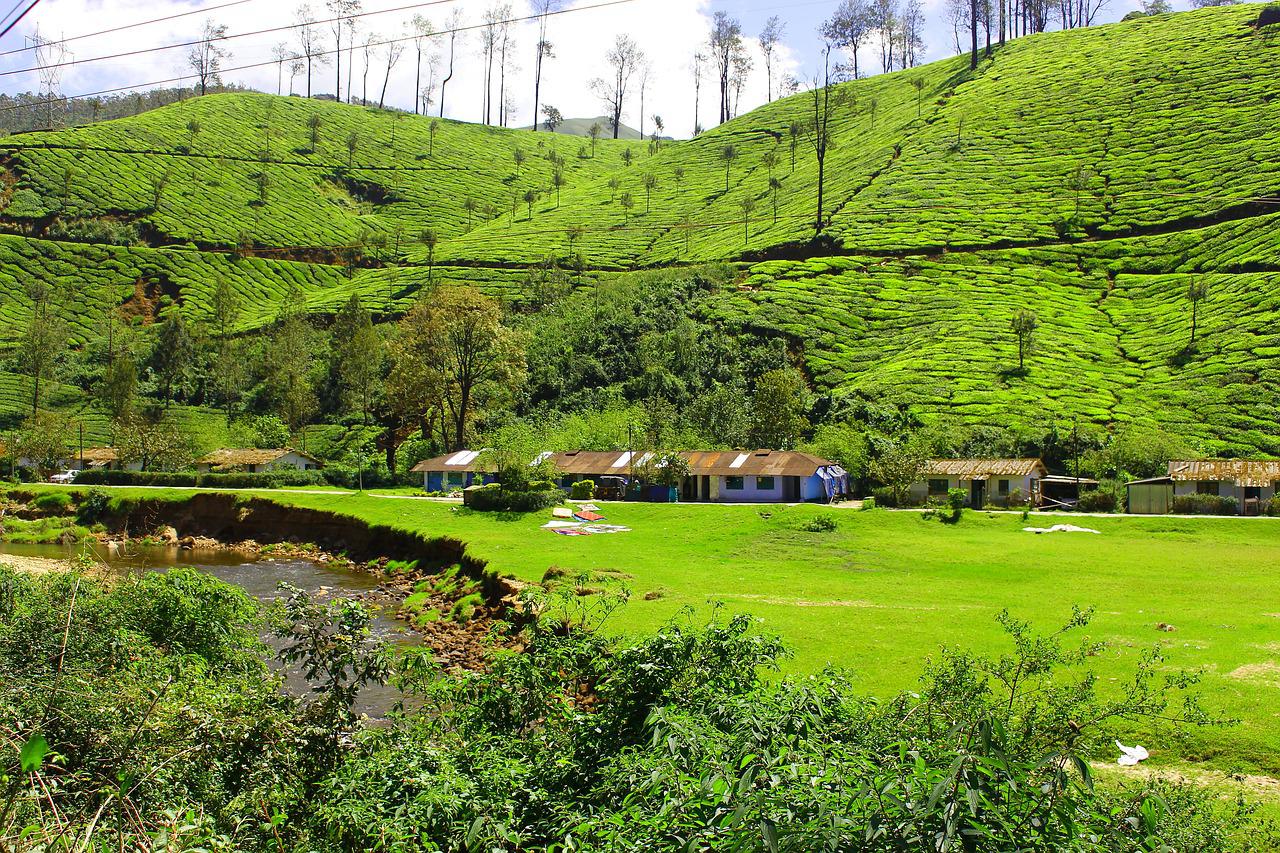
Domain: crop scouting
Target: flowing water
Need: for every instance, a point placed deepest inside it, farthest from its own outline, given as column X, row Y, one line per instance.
column 260, row 578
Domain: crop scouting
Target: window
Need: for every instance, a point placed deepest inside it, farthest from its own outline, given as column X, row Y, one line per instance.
column 764, row 484
column 938, row 488
column 453, row 478
column 1002, row 488
column 733, row 484
column 1207, row 487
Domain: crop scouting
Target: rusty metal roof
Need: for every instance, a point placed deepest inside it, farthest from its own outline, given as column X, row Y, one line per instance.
column 98, row 455
column 757, row 463
column 1243, row 472
column 236, row 458
column 983, row 469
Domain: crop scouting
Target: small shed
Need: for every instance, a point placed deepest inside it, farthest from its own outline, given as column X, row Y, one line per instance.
column 1153, row 496
column 1062, row 492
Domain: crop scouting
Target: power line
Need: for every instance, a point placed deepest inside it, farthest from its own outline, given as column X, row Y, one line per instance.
column 18, row 19
column 270, row 62
column 232, row 37
column 124, row 27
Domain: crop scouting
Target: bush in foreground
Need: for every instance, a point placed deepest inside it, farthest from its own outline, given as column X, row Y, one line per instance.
column 143, row 714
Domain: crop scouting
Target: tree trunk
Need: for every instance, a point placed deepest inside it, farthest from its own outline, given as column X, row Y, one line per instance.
column 973, row 32
column 417, row 82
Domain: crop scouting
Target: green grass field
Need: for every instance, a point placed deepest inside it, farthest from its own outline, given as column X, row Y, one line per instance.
column 886, row 589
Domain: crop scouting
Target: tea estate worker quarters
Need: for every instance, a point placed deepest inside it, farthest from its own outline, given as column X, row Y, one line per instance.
column 734, row 476
column 984, row 481
column 1249, row 484
column 249, row 461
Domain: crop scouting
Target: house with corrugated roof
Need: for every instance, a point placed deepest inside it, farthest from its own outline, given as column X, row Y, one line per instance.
column 984, row 481
column 255, row 461
column 751, row 476
column 1251, row 482
column 98, row 458
column 452, row 471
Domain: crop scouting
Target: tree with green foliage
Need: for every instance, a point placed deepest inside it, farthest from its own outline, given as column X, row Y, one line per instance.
column 530, row 199
column 614, row 184
column 158, row 184
column 432, row 129
column 44, row 339
column 1197, row 292
column 795, row 131
column 118, row 388
column 44, row 439
column 314, row 123
column 627, row 203
column 747, row 204
column 899, row 467
column 594, row 132
column 558, row 182
column 779, row 406
column 173, row 356
column 193, row 130
column 678, row 175
column 918, row 85
column 287, row 362
column 518, row 156
column 628, row 157
column 154, row 443
column 357, row 357
column 1024, row 325
column 727, row 154
column 353, row 143
column 775, row 185
column 650, row 182
column 207, row 55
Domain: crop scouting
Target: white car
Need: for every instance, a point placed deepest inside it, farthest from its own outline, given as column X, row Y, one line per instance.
column 68, row 476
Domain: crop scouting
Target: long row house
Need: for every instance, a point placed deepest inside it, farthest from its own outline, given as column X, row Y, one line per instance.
column 759, row 476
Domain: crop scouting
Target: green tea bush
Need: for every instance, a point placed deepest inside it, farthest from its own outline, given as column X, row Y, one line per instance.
column 1205, row 505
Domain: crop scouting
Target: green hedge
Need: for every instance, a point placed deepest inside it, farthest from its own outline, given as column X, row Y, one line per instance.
column 269, row 480
column 1205, row 505
column 494, row 498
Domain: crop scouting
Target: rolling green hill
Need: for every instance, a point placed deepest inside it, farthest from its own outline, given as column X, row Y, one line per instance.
column 1086, row 175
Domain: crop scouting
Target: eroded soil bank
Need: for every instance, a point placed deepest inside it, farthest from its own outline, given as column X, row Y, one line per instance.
column 449, row 597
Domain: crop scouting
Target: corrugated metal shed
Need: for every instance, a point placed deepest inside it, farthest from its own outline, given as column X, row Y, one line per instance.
column 1243, row 472
column 984, row 469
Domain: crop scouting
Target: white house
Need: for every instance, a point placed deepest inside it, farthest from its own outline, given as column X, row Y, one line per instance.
column 251, row 461
column 984, row 481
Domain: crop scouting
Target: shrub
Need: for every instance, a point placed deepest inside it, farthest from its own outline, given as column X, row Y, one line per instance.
column 583, row 490
column 825, row 523
column 884, row 496
column 1273, row 506
column 92, row 506
column 957, row 499
column 1098, row 500
column 53, row 503
column 494, row 498
column 1204, row 505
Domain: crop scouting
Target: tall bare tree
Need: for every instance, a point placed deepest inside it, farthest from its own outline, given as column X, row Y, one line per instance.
column 624, row 58
column 206, row 56
column 506, row 52
column 391, row 52
column 452, row 27
column 309, row 41
column 339, row 11
column 542, row 50
column 423, row 35
column 282, row 56
column 884, row 23
column 646, row 71
column 699, row 67
column 825, row 103
column 725, row 44
column 770, row 37
column 490, row 37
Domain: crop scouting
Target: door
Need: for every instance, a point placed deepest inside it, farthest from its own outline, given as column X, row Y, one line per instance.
column 977, row 494
column 1252, row 500
column 791, row 488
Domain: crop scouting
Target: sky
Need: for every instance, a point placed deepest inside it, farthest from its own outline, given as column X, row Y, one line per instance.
column 669, row 31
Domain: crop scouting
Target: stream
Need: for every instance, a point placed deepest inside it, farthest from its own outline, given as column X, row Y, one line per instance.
column 260, row 578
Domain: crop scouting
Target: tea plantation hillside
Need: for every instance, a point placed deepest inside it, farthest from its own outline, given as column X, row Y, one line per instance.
column 1088, row 175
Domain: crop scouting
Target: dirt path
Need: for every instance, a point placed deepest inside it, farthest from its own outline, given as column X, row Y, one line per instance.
column 1264, row 788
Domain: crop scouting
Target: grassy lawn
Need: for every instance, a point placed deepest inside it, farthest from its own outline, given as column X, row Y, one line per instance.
column 885, row 590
